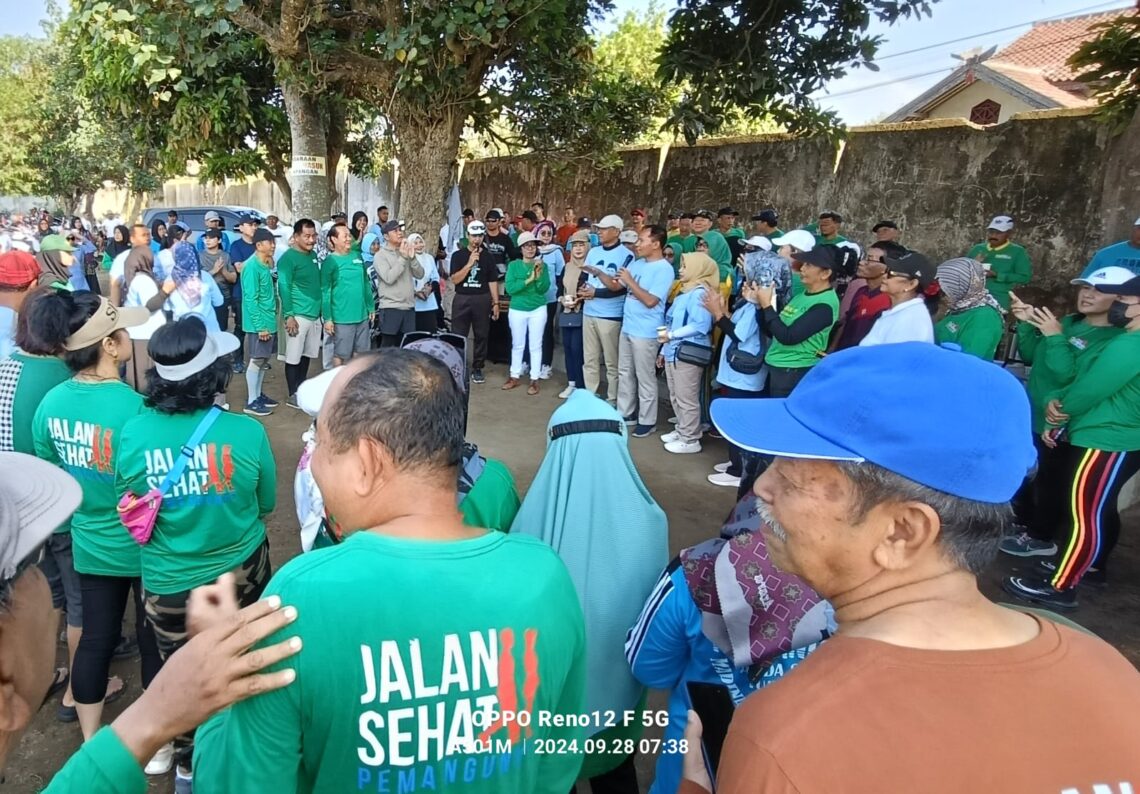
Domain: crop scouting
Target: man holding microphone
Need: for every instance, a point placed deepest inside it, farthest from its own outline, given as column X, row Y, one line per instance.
column 476, row 300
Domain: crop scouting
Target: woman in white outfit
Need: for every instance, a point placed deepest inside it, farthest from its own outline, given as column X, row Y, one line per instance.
column 911, row 285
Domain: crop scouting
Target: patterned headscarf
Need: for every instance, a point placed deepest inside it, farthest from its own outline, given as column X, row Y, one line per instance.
column 750, row 609
column 963, row 281
column 187, row 273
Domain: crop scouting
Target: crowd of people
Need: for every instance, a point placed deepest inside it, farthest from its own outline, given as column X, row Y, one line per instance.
column 881, row 455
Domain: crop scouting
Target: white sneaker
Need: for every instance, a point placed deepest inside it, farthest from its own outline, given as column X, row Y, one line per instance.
column 683, row 447
column 727, row 480
column 567, row 391
column 721, row 468
column 672, row 420
column 162, row 761
column 544, row 373
column 669, row 438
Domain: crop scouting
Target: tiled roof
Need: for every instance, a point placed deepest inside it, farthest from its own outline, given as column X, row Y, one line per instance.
column 1066, row 95
column 1048, row 45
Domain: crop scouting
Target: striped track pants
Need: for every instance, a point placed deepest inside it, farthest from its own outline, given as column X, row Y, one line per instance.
column 1094, row 521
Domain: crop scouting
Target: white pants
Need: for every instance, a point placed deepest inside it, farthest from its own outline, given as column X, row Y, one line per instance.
column 521, row 322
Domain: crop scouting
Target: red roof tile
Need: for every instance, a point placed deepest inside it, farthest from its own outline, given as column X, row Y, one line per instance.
column 1048, row 45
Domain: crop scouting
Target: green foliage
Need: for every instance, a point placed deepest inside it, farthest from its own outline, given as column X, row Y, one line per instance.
column 1110, row 64
column 766, row 57
column 21, row 72
column 183, row 83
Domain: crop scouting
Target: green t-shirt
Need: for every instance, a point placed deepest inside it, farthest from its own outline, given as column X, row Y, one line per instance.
column 775, row 234
column 1010, row 265
column 493, row 500
column 1058, row 359
column 688, row 243
column 79, row 427
column 33, row 376
column 834, row 239
column 808, row 352
column 299, row 283
column 526, row 297
column 977, row 330
column 211, row 519
column 735, row 231
column 101, row 765
column 409, row 645
column 258, row 298
column 1104, row 400
column 347, row 295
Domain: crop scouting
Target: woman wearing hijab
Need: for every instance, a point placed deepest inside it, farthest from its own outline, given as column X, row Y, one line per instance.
column 57, row 259
column 973, row 319
column 555, row 260
column 369, row 244
column 195, row 291
column 427, row 304
column 570, row 316
column 120, row 241
column 358, row 228
column 157, row 235
column 143, row 289
column 707, row 622
column 527, row 282
column 688, row 321
column 613, row 559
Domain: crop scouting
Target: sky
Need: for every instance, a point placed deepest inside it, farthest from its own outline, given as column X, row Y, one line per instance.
column 862, row 96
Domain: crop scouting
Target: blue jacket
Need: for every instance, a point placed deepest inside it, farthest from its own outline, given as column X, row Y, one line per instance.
column 688, row 321
column 666, row 648
column 746, row 318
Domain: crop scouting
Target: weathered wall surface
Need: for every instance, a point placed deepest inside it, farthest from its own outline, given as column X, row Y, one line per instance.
column 940, row 180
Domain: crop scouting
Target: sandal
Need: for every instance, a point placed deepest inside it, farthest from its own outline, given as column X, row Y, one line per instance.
column 59, row 683
column 532, row 389
column 512, row 383
column 69, row 713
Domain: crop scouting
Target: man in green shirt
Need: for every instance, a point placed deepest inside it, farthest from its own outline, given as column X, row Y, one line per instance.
column 1007, row 264
column 299, row 283
column 348, row 308
column 765, row 223
column 259, row 320
column 685, row 236
column 432, row 680
column 827, row 228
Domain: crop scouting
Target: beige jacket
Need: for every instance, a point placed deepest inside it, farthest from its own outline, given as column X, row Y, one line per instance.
column 395, row 274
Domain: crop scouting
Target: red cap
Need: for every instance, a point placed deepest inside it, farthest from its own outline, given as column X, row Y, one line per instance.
column 637, row 211
column 18, row 269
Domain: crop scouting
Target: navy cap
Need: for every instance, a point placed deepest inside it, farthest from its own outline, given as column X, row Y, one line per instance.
column 1130, row 287
column 965, row 429
column 216, row 233
column 248, row 218
column 769, row 216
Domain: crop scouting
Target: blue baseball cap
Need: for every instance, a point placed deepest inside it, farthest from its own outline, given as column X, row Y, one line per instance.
column 942, row 418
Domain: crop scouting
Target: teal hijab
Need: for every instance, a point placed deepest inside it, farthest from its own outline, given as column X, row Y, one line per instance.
column 589, row 504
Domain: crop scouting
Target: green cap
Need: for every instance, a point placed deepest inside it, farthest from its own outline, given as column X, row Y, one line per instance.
column 55, row 242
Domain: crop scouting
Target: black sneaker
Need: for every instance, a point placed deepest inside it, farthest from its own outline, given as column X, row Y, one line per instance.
column 1093, row 576
column 642, row 431
column 1039, row 591
column 477, row 376
column 128, row 648
column 631, row 421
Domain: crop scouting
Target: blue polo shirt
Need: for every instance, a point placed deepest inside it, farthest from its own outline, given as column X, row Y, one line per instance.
column 610, row 260
column 656, row 278
column 1122, row 254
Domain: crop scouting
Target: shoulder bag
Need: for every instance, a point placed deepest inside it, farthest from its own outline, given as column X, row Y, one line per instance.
column 741, row 360
column 139, row 513
column 691, row 352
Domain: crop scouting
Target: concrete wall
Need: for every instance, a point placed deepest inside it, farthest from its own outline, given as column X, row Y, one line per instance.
column 941, row 180
column 960, row 104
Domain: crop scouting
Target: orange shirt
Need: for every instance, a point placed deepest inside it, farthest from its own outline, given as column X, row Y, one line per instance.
column 1057, row 715
column 564, row 233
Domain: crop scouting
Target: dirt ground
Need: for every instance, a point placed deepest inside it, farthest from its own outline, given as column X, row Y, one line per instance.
column 511, row 426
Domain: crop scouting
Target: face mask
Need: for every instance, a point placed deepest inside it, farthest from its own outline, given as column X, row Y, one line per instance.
column 1118, row 314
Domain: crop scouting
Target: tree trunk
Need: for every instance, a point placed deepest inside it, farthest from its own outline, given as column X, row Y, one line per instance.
column 427, row 148
column 309, row 177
